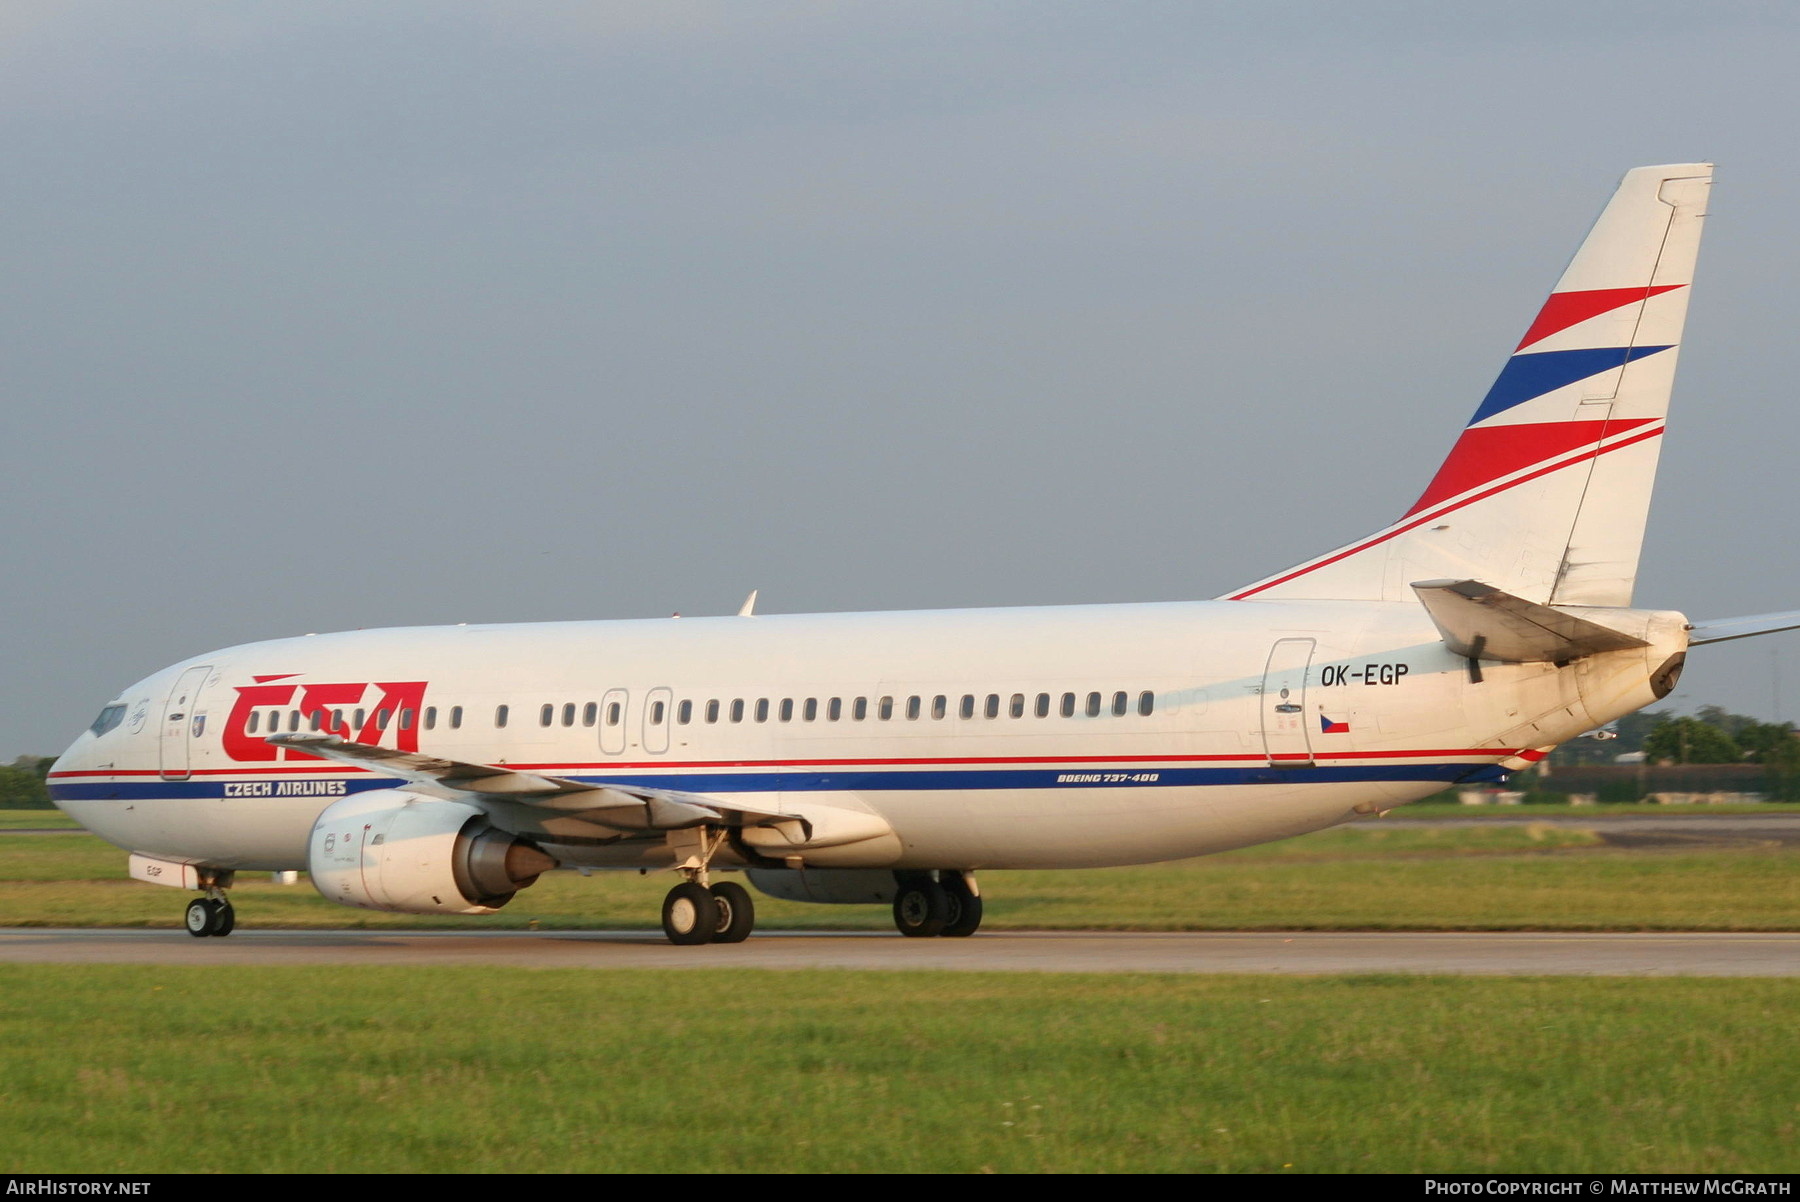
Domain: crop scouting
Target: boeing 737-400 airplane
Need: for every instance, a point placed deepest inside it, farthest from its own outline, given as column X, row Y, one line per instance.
column 886, row 757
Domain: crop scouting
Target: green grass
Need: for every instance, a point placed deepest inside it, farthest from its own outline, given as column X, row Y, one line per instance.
column 113, row 1069
column 1528, row 877
column 14, row 819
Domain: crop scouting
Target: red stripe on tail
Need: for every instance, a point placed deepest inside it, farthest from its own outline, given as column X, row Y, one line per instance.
column 1487, row 453
column 1565, row 309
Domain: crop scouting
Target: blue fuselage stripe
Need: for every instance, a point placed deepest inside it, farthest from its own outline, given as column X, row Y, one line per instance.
column 851, row 781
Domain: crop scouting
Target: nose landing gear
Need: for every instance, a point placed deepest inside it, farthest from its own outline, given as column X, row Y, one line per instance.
column 211, row 915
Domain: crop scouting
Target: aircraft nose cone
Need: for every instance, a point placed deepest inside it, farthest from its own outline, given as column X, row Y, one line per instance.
column 73, row 759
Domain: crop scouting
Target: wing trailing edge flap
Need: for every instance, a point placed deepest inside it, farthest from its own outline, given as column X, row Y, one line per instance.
column 1482, row 622
column 623, row 807
column 1723, row 630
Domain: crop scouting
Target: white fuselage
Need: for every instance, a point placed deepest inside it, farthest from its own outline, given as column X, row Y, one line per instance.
column 1119, row 733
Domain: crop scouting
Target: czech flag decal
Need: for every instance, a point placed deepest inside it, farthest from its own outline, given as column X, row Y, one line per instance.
column 1333, row 728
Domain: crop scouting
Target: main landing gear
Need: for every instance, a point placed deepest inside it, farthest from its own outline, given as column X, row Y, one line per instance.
column 949, row 905
column 211, row 915
column 697, row 911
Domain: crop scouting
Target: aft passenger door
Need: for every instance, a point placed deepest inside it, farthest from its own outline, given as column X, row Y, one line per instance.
column 1287, row 739
column 181, row 723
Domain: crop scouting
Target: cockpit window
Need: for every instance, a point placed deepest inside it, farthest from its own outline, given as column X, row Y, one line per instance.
column 109, row 717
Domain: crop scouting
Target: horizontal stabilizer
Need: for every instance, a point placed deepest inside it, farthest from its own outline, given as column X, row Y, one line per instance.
column 1482, row 622
column 1723, row 630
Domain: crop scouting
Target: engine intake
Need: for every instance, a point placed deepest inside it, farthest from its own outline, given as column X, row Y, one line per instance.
column 399, row 851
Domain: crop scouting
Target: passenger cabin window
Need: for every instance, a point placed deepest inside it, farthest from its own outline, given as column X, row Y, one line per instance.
column 546, row 715
column 360, row 715
column 1093, row 705
column 431, row 717
column 1121, row 703
column 255, row 717
column 1146, row 703
column 993, row 705
column 737, row 709
column 383, row 717
column 318, row 719
column 787, row 709
column 810, row 711
column 294, row 720
column 884, row 709
column 940, row 705
column 656, row 713
column 615, row 713
column 968, row 706
column 406, row 719
column 500, row 712
column 712, row 710
column 455, row 717
column 834, row 709
column 568, row 713
column 684, row 713
column 912, row 709
column 1017, row 707
column 1043, row 705
column 860, row 710
column 590, row 713
column 762, row 709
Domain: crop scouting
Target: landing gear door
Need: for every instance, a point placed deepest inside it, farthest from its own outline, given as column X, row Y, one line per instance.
column 1286, row 738
column 182, row 723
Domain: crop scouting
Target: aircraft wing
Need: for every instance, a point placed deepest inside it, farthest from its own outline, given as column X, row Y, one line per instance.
column 1482, row 622
column 1723, row 630
column 483, row 779
column 621, row 806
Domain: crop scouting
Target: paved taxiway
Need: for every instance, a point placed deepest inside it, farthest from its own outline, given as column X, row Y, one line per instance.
column 1775, row 954
column 1623, row 830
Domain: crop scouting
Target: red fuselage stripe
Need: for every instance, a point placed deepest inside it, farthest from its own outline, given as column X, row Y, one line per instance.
column 283, row 770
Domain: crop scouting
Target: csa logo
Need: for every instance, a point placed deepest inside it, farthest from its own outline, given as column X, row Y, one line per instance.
column 383, row 703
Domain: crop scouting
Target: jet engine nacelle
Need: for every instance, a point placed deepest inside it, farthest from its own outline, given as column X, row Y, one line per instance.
column 393, row 850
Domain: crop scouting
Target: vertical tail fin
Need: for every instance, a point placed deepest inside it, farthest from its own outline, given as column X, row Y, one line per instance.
column 1545, row 493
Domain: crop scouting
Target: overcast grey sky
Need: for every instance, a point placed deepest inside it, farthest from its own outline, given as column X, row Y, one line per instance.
column 319, row 315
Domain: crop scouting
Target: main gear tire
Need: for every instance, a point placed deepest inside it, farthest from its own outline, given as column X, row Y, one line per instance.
column 737, row 913
column 690, row 915
column 921, row 908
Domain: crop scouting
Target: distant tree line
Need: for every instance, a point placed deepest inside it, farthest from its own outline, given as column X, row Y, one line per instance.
column 1710, row 736
column 22, row 784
